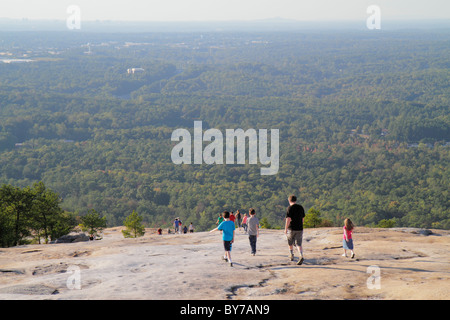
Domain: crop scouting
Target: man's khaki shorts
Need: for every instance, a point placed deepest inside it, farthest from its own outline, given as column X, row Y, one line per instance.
column 295, row 237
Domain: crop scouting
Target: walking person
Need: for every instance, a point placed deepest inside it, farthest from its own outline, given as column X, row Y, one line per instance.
column 232, row 217
column 227, row 226
column 347, row 242
column 253, row 230
column 219, row 219
column 238, row 219
column 244, row 222
column 176, row 225
column 295, row 215
column 180, row 227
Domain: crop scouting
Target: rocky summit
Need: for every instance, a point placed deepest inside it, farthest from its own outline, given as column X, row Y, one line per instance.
column 397, row 263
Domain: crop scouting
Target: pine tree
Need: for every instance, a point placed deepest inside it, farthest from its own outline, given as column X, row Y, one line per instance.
column 134, row 225
column 312, row 218
column 93, row 223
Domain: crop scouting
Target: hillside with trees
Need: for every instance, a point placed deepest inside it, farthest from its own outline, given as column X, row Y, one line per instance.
column 363, row 118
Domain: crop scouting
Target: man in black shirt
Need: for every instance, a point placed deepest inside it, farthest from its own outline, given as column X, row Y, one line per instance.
column 295, row 214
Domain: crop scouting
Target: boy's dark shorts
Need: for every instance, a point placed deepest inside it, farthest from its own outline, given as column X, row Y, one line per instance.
column 227, row 245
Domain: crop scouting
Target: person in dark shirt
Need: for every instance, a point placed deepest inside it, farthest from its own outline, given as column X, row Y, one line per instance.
column 295, row 214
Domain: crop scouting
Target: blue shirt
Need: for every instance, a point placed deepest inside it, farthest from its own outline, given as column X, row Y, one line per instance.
column 227, row 227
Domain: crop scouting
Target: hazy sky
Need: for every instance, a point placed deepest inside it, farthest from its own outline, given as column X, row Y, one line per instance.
column 208, row 10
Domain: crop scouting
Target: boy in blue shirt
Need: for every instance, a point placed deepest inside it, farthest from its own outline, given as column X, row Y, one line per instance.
column 227, row 227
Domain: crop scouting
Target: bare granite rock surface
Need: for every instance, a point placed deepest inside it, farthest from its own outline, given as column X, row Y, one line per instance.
column 400, row 263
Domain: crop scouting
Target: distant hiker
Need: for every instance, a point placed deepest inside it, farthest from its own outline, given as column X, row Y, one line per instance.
column 228, row 228
column 232, row 217
column 185, row 229
column 191, row 228
column 295, row 214
column 244, row 222
column 347, row 241
column 238, row 219
column 180, row 225
column 253, row 230
column 159, row 231
column 176, row 225
column 219, row 219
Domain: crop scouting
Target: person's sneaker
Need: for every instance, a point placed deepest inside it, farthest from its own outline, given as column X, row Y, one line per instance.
column 231, row 264
column 292, row 257
column 299, row 263
column 344, row 255
column 353, row 255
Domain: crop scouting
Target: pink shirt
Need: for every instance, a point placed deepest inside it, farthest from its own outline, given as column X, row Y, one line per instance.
column 349, row 233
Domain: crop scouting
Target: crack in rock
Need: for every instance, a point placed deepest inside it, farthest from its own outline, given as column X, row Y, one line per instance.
column 233, row 289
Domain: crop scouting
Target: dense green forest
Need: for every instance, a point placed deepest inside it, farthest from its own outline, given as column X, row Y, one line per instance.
column 32, row 214
column 363, row 117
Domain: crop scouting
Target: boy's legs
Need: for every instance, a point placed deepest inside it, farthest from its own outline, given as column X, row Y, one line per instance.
column 227, row 256
column 252, row 240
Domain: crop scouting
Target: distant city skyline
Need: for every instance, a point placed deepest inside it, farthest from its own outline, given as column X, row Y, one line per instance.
column 224, row 10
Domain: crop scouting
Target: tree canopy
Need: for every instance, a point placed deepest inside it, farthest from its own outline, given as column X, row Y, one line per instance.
column 31, row 212
column 363, row 120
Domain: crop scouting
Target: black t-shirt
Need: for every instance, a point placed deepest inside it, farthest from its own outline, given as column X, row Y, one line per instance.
column 296, row 213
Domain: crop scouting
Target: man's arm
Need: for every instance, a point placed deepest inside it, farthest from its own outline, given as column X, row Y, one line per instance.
column 288, row 222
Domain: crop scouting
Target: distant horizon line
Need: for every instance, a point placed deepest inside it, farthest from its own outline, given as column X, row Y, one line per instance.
column 276, row 24
column 273, row 19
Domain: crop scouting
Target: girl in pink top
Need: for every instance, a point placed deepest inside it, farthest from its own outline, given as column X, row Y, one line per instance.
column 244, row 222
column 347, row 241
